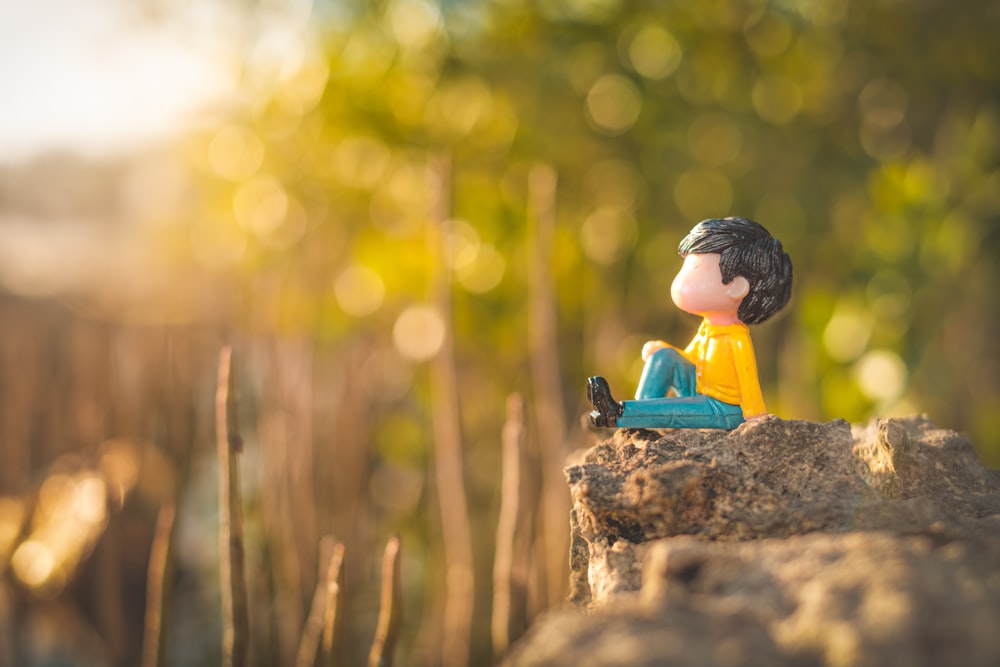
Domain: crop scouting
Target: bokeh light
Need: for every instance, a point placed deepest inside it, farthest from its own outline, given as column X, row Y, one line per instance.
column 260, row 206
column 360, row 290
column 847, row 333
column 360, row 161
column 419, row 333
column 235, row 152
column 613, row 103
column 881, row 374
column 654, row 52
column 777, row 98
column 413, row 22
column 69, row 518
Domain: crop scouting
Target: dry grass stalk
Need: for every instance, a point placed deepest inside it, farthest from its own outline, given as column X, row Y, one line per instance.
column 390, row 611
column 448, row 469
column 331, row 620
column 507, row 523
column 157, row 572
column 235, row 610
column 331, row 553
column 9, row 644
column 547, row 388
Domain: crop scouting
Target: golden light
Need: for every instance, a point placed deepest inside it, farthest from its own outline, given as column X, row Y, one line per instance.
column 260, row 206
column 397, row 206
column 104, row 81
column 483, row 271
column 413, row 22
column 459, row 107
column 777, row 98
column 360, row 290
column 613, row 103
column 847, row 333
column 70, row 515
column 90, row 500
column 881, row 375
column 360, row 161
column 235, row 152
column 654, row 52
column 33, row 564
column 54, row 496
column 477, row 266
column 419, row 333
column 302, row 91
column 218, row 242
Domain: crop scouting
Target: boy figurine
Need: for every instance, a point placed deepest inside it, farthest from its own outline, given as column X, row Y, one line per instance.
column 734, row 274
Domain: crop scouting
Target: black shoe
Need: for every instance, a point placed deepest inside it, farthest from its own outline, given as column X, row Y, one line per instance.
column 607, row 408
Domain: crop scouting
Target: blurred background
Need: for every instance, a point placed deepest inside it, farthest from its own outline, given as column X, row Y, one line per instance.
column 403, row 215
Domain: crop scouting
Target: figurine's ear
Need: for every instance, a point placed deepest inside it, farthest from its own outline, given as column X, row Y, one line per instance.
column 738, row 288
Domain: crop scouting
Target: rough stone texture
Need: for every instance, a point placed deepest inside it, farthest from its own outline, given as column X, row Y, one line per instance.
column 780, row 543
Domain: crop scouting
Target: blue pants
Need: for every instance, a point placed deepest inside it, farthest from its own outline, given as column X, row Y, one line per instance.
column 667, row 369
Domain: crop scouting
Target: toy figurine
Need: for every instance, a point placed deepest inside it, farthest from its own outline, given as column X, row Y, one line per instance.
column 734, row 274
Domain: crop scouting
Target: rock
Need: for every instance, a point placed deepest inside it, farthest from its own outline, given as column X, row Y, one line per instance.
column 780, row 543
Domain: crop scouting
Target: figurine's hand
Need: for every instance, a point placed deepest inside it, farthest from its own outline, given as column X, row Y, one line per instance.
column 651, row 347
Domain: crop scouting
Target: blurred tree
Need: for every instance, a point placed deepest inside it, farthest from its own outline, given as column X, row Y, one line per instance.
column 870, row 156
column 866, row 136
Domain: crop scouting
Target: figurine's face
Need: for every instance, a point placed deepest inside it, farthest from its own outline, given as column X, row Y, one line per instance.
column 698, row 289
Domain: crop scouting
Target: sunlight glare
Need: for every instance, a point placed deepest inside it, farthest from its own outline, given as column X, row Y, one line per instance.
column 33, row 563
column 124, row 81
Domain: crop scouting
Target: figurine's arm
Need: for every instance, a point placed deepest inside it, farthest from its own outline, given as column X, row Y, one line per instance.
column 691, row 352
column 751, row 397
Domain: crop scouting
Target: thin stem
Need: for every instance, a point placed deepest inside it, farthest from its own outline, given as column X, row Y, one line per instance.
column 313, row 629
column 448, row 469
column 390, row 612
column 156, row 584
column 334, row 582
column 507, row 523
column 235, row 616
column 547, row 388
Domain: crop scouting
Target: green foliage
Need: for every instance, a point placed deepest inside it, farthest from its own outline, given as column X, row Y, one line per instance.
column 865, row 135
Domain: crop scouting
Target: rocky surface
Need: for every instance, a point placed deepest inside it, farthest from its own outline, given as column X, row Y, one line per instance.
column 780, row 543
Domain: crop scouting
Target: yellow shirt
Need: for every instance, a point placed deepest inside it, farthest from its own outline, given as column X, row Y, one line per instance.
column 726, row 366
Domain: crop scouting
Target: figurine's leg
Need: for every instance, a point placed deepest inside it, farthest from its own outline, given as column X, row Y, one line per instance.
column 664, row 370
column 689, row 412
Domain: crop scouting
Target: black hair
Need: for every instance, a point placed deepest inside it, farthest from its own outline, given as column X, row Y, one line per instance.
column 746, row 249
